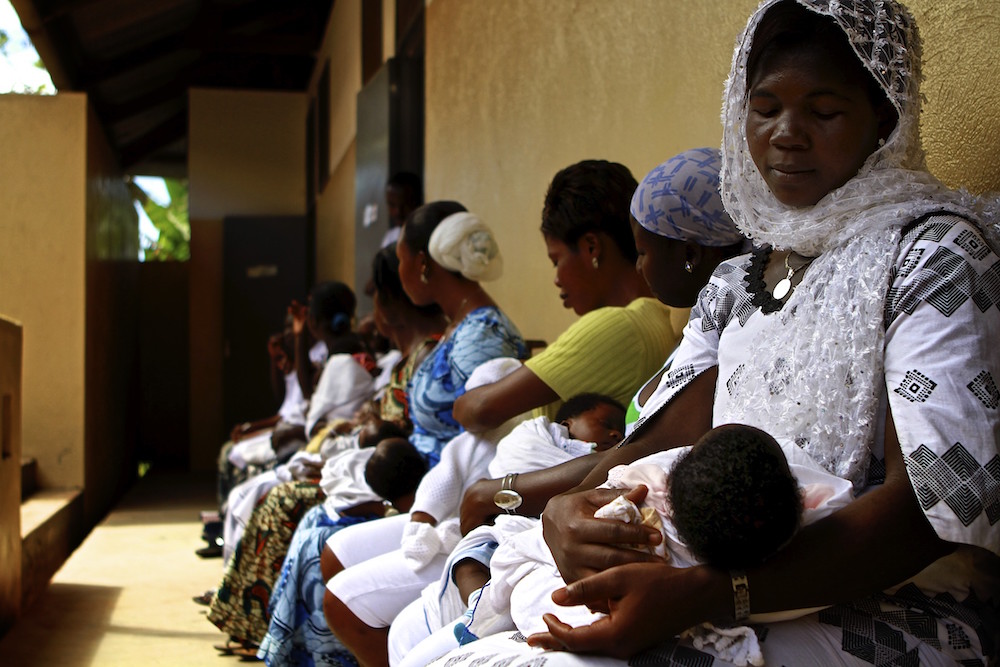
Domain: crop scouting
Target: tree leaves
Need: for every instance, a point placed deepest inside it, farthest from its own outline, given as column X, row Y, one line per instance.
column 171, row 221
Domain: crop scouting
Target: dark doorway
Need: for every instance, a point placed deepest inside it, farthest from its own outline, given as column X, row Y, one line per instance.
column 264, row 268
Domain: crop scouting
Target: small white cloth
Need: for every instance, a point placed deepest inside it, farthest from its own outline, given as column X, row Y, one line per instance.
column 343, row 386
column 536, row 444
column 422, row 542
column 343, row 481
column 736, row 645
column 255, row 450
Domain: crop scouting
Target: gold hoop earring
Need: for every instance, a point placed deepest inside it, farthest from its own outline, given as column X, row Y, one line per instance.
column 689, row 267
column 593, row 260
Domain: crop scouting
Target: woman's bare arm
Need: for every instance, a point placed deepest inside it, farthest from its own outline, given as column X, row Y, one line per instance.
column 691, row 409
column 487, row 407
column 879, row 540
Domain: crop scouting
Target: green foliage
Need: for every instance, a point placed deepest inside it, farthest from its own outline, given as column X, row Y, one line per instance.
column 10, row 48
column 174, row 241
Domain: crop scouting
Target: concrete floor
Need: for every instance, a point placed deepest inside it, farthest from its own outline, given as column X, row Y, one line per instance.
column 124, row 596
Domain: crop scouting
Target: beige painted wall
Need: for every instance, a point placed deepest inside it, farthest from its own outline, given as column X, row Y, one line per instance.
column 246, row 157
column 335, row 204
column 68, row 272
column 42, row 269
column 10, row 472
column 519, row 89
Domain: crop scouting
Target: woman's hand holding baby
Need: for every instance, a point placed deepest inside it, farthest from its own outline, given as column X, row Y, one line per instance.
column 478, row 508
column 640, row 600
column 583, row 545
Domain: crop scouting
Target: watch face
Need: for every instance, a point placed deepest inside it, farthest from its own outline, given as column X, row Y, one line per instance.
column 507, row 500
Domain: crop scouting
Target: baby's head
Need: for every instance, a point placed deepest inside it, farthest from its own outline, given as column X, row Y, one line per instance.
column 394, row 471
column 734, row 499
column 374, row 430
column 593, row 418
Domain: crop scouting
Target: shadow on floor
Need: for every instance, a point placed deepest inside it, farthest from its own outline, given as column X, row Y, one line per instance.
column 39, row 637
column 124, row 596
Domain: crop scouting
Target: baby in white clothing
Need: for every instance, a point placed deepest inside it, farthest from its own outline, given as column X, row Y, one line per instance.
column 732, row 499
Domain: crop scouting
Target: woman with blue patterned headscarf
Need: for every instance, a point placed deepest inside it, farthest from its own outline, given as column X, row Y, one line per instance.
column 680, row 227
column 682, row 232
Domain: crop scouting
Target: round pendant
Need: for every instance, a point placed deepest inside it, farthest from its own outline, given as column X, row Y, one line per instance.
column 782, row 289
column 507, row 500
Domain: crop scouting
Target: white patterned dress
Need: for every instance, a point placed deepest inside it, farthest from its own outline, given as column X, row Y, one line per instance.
column 942, row 355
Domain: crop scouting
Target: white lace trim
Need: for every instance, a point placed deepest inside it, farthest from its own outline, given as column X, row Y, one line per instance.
column 821, row 368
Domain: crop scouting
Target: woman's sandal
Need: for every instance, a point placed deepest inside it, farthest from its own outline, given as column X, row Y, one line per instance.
column 247, row 653
column 205, row 598
column 232, row 646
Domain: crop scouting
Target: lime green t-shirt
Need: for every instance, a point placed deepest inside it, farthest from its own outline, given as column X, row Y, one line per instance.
column 610, row 350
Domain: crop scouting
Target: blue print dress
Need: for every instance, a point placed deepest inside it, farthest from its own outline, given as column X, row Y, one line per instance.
column 484, row 334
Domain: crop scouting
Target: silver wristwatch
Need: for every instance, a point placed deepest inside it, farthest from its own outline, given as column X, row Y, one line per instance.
column 507, row 498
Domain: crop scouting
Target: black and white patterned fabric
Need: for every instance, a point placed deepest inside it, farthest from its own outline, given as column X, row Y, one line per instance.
column 941, row 358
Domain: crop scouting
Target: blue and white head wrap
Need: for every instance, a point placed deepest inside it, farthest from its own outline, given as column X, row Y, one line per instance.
column 680, row 200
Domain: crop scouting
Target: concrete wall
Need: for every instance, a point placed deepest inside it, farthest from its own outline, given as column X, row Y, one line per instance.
column 68, row 267
column 519, row 89
column 335, row 204
column 42, row 272
column 246, row 157
column 10, row 472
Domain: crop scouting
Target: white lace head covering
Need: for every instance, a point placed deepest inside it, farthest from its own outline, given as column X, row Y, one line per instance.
column 680, row 200
column 464, row 244
column 799, row 385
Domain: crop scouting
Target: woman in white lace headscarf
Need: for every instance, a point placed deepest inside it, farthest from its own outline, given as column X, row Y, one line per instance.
column 863, row 328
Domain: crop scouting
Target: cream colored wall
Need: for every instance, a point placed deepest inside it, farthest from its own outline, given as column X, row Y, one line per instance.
column 519, row 89
column 335, row 204
column 961, row 122
column 68, row 269
column 10, row 472
column 42, row 271
column 246, row 156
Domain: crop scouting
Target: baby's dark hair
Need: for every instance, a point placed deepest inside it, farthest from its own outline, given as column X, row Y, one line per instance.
column 383, row 431
column 577, row 405
column 395, row 469
column 734, row 499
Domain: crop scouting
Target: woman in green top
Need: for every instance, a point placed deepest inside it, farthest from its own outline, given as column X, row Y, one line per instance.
column 585, row 225
column 681, row 233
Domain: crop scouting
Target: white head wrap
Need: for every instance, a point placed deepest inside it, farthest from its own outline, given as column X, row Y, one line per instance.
column 680, row 200
column 825, row 396
column 463, row 243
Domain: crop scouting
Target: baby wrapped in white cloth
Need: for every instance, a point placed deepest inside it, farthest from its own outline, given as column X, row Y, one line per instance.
column 733, row 504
